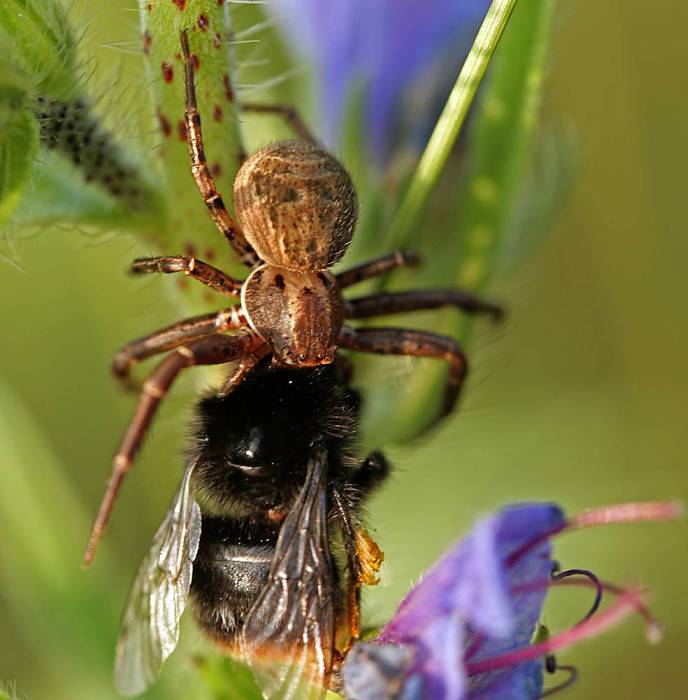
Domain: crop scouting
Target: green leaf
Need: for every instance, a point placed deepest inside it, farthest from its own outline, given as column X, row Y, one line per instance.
column 500, row 149
column 43, row 45
column 18, row 146
column 58, row 195
column 544, row 191
column 85, row 176
column 210, row 38
column 449, row 124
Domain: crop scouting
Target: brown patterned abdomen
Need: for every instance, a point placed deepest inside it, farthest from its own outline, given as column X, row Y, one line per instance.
column 296, row 205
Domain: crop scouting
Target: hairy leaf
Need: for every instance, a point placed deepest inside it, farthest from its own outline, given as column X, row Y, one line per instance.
column 18, row 145
column 42, row 42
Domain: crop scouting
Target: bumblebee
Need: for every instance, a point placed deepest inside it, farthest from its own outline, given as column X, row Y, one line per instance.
column 263, row 537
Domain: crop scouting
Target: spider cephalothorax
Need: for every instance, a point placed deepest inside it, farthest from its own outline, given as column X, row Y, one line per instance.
column 296, row 208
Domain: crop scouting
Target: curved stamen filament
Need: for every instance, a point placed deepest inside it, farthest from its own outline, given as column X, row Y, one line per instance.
column 653, row 628
column 558, row 576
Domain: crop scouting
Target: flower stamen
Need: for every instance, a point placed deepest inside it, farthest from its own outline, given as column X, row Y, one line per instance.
column 558, row 575
column 628, row 602
column 644, row 511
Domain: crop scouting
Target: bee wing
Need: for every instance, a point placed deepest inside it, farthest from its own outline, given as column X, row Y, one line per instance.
column 150, row 628
column 289, row 634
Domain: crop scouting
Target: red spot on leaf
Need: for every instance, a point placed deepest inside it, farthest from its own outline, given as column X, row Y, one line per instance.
column 209, row 254
column 217, row 113
column 164, row 123
column 203, row 22
column 229, row 92
column 190, row 249
column 147, row 41
column 207, row 296
column 220, row 2
column 167, row 72
column 149, row 7
column 181, row 130
column 195, row 62
column 217, row 40
column 181, row 4
column 216, row 170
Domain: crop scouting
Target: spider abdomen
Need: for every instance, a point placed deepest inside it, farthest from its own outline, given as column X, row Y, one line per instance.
column 299, row 314
column 296, row 205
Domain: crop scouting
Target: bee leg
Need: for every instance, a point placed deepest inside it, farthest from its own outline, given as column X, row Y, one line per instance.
column 212, row 350
column 200, row 171
column 377, row 267
column 364, row 560
column 398, row 341
column 171, row 337
column 371, row 473
column 192, row 267
column 401, row 302
column 290, row 115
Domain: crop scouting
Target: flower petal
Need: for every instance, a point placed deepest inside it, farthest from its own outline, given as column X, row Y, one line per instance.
column 474, row 580
column 522, row 682
column 376, row 671
column 386, row 44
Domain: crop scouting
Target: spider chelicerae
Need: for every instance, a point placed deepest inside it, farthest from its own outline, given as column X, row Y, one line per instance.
column 296, row 209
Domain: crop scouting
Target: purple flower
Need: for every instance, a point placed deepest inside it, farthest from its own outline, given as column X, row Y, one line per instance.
column 390, row 47
column 467, row 629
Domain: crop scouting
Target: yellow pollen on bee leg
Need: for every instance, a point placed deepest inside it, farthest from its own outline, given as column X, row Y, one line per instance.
column 370, row 558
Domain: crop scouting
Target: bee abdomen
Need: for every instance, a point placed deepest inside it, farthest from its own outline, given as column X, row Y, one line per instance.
column 229, row 574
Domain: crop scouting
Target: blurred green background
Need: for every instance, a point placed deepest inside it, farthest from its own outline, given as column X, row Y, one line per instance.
column 581, row 398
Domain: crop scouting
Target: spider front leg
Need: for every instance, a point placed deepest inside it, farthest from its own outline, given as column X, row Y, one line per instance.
column 400, row 302
column 213, row 350
column 397, row 341
column 290, row 115
column 200, row 171
column 192, row 267
column 173, row 336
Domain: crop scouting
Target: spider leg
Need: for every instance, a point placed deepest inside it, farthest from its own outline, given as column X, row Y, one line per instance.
column 197, row 269
column 215, row 349
column 200, row 171
column 290, row 115
column 246, row 364
column 377, row 267
column 398, row 341
column 173, row 336
column 400, row 302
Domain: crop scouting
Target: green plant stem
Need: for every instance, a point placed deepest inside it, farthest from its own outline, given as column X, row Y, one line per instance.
column 450, row 121
column 189, row 229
